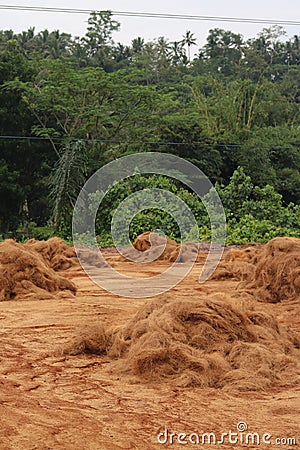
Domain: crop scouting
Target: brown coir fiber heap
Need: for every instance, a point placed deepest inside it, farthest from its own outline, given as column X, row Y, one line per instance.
column 24, row 273
column 56, row 254
column 153, row 246
column 60, row 256
column 271, row 272
column 238, row 264
column 212, row 342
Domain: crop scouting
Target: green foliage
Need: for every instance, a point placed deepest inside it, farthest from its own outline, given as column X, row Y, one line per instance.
column 253, row 214
column 235, row 193
column 12, row 198
column 151, row 218
column 249, row 229
column 256, row 214
column 105, row 240
column 98, row 39
column 30, row 230
column 232, row 109
column 154, row 219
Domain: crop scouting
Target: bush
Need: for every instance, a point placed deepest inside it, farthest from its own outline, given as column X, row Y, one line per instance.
column 254, row 214
column 250, row 229
column 149, row 219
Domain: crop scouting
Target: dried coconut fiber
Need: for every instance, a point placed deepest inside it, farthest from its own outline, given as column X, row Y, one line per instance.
column 271, row 272
column 56, row 254
column 154, row 247
column 27, row 273
column 212, row 342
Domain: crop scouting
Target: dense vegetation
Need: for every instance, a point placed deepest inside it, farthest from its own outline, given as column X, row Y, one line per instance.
column 232, row 110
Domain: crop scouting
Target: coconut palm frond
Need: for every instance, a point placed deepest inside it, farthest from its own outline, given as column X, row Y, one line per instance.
column 68, row 178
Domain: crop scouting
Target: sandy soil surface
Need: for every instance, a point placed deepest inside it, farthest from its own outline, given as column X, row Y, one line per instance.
column 49, row 401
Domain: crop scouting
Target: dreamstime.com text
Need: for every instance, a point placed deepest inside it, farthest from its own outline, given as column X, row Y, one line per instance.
column 240, row 436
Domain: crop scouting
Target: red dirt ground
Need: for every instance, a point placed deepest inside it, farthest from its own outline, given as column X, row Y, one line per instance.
column 49, row 401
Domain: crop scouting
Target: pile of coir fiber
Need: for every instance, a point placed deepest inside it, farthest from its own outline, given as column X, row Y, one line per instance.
column 154, row 247
column 212, row 342
column 26, row 272
column 270, row 272
column 56, row 254
column 60, row 256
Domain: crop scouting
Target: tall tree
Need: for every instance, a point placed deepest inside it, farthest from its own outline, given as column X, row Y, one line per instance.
column 189, row 40
column 223, row 51
column 177, row 53
column 137, row 44
column 98, row 38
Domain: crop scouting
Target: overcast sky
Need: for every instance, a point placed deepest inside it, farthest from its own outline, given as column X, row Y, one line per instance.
column 150, row 28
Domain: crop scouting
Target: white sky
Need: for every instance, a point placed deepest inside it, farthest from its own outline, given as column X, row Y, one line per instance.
column 151, row 28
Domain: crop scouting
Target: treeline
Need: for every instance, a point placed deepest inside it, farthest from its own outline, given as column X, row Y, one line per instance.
column 72, row 104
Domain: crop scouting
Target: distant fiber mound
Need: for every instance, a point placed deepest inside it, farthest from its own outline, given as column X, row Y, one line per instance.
column 27, row 270
column 154, row 247
column 270, row 272
column 213, row 342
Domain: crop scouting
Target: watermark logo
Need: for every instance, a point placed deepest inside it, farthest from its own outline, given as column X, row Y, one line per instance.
column 85, row 212
column 240, row 436
column 242, row 426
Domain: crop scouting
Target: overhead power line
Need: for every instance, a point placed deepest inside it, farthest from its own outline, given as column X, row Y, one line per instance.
column 154, row 15
column 115, row 141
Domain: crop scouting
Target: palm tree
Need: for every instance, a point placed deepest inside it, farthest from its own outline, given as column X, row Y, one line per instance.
column 189, row 40
column 162, row 46
column 121, row 52
column 26, row 40
column 42, row 40
column 137, row 44
column 177, row 52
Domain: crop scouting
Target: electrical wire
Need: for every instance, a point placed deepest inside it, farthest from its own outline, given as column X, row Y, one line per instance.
column 154, row 15
column 114, row 141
